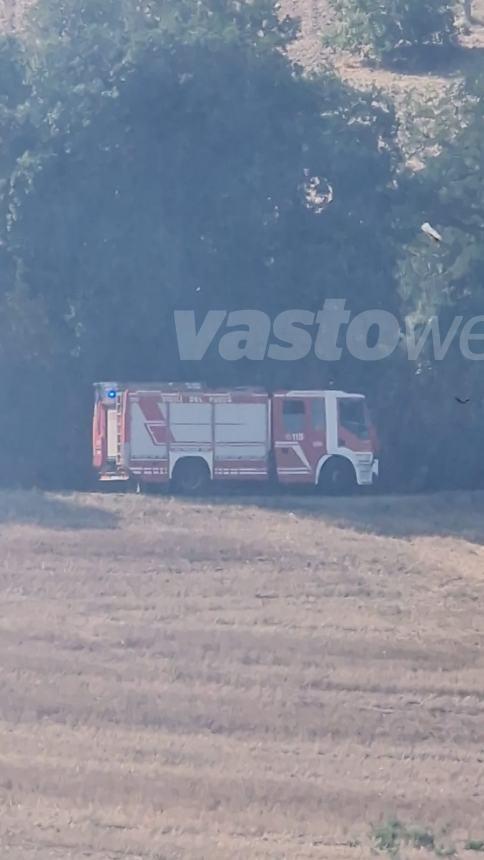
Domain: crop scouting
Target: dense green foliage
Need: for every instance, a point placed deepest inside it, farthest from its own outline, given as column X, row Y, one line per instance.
column 169, row 155
column 447, row 280
column 388, row 29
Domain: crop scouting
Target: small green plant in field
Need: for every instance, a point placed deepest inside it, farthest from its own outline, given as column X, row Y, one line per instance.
column 392, row 834
column 475, row 845
column 420, row 838
column 388, row 836
column 441, row 851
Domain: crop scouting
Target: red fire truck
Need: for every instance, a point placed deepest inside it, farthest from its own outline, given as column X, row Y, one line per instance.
column 187, row 435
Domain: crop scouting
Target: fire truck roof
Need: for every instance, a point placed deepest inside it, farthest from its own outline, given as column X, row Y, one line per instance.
column 318, row 393
column 176, row 386
column 114, row 387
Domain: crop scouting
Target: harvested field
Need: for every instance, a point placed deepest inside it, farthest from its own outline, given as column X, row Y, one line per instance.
column 240, row 678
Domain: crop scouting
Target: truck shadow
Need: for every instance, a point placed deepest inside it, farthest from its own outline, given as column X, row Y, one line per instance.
column 58, row 512
column 450, row 514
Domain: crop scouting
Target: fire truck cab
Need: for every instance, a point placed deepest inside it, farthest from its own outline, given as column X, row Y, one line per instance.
column 325, row 438
column 187, row 436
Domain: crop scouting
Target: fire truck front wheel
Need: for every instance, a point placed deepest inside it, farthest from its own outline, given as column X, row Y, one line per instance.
column 191, row 476
column 337, row 477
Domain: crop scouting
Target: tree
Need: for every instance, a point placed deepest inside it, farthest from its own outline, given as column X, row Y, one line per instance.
column 446, row 281
column 180, row 160
column 388, row 30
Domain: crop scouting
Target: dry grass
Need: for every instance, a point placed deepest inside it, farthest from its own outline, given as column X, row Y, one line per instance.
column 238, row 678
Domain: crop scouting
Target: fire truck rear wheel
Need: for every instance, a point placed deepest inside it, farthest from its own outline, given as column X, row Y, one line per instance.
column 191, row 476
column 337, row 477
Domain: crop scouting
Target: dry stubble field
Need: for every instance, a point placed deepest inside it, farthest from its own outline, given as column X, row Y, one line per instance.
column 239, row 678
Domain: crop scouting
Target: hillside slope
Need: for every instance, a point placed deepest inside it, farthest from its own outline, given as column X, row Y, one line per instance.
column 316, row 16
column 438, row 89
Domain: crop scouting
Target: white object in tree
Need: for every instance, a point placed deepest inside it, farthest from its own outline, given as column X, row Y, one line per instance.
column 429, row 231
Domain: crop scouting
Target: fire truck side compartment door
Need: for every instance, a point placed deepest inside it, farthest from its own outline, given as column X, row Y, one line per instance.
column 241, row 431
column 191, row 424
column 290, row 439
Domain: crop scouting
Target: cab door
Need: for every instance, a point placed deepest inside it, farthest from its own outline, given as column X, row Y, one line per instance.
column 293, row 443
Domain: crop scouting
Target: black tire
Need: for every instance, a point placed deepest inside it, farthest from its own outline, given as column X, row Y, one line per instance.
column 191, row 477
column 337, row 478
